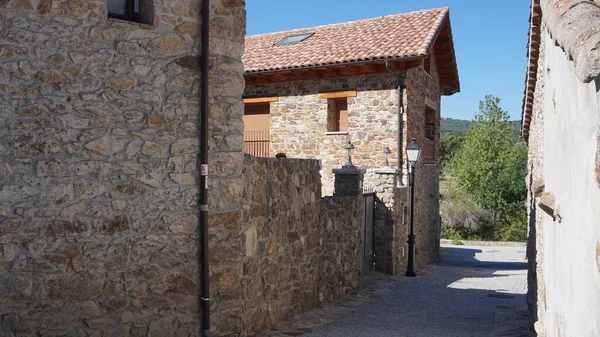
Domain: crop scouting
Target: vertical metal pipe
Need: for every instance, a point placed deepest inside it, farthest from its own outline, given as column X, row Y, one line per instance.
column 400, row 143
column 202, row 129
column 401, row 87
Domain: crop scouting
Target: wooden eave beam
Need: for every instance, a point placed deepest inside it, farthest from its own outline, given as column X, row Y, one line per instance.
column 338, row 94
column 252, row 100
column 327, row 72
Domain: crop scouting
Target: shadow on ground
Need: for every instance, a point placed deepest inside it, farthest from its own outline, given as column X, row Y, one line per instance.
column 473, row 291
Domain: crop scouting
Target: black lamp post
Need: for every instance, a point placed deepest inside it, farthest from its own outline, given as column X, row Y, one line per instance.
column 412, row 153
column 387, row 152
column 349, row 147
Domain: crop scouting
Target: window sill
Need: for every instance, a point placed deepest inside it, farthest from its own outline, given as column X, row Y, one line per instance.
column 132, row 23
column 333, row 133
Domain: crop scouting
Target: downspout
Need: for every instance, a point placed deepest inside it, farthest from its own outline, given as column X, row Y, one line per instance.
column 401, row 87
column 202, row 129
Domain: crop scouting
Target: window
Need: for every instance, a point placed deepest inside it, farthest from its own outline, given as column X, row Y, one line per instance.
column 141, row 11
column 257, row 123
column 337, row 114
column 429, row 156
column 429, row 123
column 427, row 64
column 293, row 39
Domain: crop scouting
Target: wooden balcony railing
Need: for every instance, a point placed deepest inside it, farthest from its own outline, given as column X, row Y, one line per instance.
column 256, row 143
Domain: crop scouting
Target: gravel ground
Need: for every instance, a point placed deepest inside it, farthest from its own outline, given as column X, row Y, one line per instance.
column 460, row 298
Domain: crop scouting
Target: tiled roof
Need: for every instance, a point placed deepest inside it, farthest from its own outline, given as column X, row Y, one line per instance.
column 405, row 35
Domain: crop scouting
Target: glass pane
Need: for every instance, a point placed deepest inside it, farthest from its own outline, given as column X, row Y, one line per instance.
column 293, row 39
column 117, row 6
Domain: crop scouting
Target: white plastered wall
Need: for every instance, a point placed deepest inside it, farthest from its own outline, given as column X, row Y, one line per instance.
column 571, row 126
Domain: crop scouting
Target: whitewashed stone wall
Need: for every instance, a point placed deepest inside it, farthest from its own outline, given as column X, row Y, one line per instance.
column 563, row 198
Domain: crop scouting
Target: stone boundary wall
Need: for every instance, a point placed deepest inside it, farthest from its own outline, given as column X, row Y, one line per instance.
column 97, row 164
column 484, row 243
column 301, row 251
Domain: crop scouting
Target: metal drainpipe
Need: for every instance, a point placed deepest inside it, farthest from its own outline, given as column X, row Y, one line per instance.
column 401, row 87
column 202, row 129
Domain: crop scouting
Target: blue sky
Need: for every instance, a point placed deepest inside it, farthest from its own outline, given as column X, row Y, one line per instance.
column 490, row 39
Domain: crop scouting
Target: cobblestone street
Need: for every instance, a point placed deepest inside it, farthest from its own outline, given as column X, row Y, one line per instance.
column 474, row 291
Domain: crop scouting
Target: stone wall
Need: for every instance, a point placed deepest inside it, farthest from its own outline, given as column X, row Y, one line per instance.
column 301, row 251
column 383, row 182
column 563, row 194
column 97, row 165
column 423, row 92
column 299, row 121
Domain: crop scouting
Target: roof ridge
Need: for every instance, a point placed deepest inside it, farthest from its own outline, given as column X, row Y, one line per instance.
column 435, row 30
column 443, row 10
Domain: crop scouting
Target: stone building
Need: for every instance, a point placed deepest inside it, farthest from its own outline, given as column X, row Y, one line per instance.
column 99, row 110
column 376, row 82
column 561, row 124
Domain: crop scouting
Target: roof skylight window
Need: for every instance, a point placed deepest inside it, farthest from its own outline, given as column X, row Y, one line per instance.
column 293, row 39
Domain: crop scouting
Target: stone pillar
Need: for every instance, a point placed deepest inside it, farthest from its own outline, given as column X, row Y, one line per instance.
column 348, row 181
column 383, row 180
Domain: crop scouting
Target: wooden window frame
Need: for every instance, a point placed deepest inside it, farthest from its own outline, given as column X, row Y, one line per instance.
column 429, row 155
column 430, row 124
column 334, row 115
column 130, row 14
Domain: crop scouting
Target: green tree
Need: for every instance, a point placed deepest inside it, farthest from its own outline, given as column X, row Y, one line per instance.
column 449, row 146
column 490, row 166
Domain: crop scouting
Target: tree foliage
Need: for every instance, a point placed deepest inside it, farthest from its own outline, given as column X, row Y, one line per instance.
column 449, row 146
column 491, row 166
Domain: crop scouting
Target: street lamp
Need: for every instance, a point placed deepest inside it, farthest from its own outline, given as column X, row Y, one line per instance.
column 387, row 152
column 413, row 153
column 349, row 147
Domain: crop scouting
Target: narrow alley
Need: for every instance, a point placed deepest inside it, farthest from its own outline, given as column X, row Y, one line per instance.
column 474, row 291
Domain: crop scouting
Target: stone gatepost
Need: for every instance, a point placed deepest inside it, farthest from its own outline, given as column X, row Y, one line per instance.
column 384, row 181
column 348, row 181
column 390, row 225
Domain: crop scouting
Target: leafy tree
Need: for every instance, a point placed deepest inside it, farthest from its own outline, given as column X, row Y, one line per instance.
column 449, row 146
column 490, row 166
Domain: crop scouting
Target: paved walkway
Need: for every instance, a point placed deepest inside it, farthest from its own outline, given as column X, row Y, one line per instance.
column 475, row 291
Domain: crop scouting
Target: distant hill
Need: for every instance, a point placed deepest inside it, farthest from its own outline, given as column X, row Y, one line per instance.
column 451, row 125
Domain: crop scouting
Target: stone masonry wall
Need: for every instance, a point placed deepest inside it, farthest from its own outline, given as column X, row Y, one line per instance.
column 423, row 91
column 391, row 220
column 301, row 251
column 299, row 121
column 299, row 125
column 401, row 230
column 382, row 181
column 97, row 165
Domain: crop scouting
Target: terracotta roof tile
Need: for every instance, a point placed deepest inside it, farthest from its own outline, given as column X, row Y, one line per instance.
column 402, row 35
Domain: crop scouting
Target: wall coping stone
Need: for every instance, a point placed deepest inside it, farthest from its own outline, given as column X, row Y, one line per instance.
column 385, row 170
column 348, row 170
